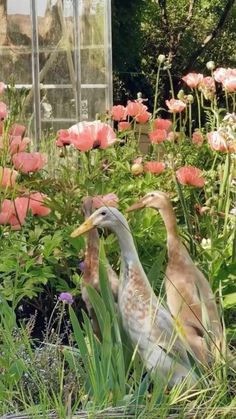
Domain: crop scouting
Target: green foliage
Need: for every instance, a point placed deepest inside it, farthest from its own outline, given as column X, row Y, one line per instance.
column 189, row 32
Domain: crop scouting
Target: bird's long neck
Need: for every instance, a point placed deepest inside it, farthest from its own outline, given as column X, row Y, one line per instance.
column 126, row 242
column 169, row 219
column 92, row 257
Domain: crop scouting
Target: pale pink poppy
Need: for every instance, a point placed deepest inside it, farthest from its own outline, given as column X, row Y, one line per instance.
column 2, row 87
column 3, row 110
column 118, row 113
column 109, row 200
column 29, row 162
column 175, row 105
column 230, row 84
column 220, row 74
column 94, row 134
column 197, row 138
column 193, row 80
column 83, row 141
column 124, row 126
column 154, row 167
column 37, row 205
column 208, row 87
column 18, row 144
column 158, row 136
column 190, row 175
column 7, row 177
column 219, row 141
column 17, row 129
column 161, row 123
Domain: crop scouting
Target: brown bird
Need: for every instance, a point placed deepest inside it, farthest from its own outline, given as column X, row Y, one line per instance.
column 91, row 266
column 189, row 295
column 149, row 325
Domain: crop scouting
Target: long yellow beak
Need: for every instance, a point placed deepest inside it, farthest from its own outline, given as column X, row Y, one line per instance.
column 138, row 205
column 86, row 226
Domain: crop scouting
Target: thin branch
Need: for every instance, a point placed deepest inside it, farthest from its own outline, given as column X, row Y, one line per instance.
column 192, row 3
column 215, row 32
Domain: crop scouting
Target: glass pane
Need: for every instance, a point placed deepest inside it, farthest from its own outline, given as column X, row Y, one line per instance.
column 15, row 41
column 93, row 102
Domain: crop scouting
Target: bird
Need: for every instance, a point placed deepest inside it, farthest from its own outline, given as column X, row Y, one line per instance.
column 148, row 324
column 91, row 266
column 189, row 295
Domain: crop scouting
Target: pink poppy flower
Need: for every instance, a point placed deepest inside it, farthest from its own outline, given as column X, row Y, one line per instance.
column 2, row 87
column 197, row 138
column 14, row 212
column 6, row 211
column 138, row 111
column 18, row 144
column 29, row 162
column 17, row 129
column 94, row 134
column 154, row 167
column 118, row 113
column 161, row 123
column 190, row 175
column 134, row 108
column 124, row 126
column 7, row 177
column 158, row 136
column 230, row 84
column 83, row 141
column 219, row 141
column 143, row 116
column 193, row 80
column 36, row 204
column 64, row 138
column 109, row 200
column 175, row 105
column 3, row 110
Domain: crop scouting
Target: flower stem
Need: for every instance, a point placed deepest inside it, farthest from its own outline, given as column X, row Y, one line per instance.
column 199, row 109
column 156, row 91
column 190, row 120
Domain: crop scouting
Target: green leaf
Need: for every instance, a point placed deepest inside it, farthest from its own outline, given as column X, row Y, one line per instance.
column 230, row 300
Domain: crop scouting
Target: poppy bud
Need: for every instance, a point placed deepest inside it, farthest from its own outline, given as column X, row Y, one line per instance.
column 161, row 58
column 210, row 65
column 137, row 169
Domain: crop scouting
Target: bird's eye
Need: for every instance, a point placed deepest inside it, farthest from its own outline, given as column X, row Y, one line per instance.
column 152, row 195
column 103, row 213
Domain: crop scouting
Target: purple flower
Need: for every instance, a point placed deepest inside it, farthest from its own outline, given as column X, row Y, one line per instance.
column 66, row 297
column 82, row 266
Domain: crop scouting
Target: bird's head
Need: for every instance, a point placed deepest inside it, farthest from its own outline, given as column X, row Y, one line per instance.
column 157, row 199
column 108, row 217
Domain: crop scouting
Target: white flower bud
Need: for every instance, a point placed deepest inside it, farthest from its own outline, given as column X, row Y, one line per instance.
column 180, row 95
column 190, row 98
column 210, row 65
column 161, row 58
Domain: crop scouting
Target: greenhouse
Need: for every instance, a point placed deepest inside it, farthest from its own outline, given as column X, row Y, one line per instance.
column 117, row 209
